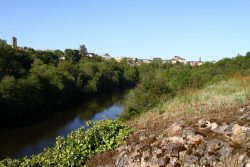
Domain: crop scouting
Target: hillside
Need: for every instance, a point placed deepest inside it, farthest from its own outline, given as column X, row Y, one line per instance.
column 180, row 115
column 209, row 127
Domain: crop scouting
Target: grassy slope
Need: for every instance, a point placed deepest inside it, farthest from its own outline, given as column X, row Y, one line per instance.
column 213, row 101
column 219, row 102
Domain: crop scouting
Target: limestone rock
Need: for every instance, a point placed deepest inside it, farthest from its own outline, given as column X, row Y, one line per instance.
column 175, row 129
column 245, row 116
column 244, row 161
column 203, row 144
column 238, row 134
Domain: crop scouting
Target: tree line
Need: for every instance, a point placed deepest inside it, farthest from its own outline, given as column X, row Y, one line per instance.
column 34, row 82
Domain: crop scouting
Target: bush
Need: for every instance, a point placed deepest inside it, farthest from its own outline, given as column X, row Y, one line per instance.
column 152, row 89
column 77, row 147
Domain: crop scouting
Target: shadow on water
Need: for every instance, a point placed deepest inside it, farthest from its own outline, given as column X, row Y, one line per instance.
column 26, row 141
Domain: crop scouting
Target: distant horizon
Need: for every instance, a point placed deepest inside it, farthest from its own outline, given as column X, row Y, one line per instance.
column 9, row 42
column 212, row 30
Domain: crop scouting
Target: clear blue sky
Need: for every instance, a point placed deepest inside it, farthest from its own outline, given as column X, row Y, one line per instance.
column 211, row 29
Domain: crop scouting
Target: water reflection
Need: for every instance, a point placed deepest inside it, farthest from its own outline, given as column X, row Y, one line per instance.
column 26, row 141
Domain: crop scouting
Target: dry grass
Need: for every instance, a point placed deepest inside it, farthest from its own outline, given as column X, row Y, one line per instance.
column 213, row 101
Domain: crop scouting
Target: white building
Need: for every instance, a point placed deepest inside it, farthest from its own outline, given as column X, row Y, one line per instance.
column 176, row 59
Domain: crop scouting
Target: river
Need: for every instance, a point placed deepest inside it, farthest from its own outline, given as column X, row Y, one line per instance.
column 29, row 140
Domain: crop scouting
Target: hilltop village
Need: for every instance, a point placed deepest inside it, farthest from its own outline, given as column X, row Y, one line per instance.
column 131, row 60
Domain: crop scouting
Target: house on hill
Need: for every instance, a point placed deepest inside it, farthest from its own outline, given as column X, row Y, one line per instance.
column 179, row 59
column 196, row 63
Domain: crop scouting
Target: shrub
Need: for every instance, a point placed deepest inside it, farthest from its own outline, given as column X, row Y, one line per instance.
column 77, row 147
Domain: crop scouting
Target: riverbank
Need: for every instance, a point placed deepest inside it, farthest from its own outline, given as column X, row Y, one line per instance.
column 78, row 146
column 209, row 127
column 34, row 138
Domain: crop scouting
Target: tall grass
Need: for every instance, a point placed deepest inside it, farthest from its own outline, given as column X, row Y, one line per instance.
column 217, row 97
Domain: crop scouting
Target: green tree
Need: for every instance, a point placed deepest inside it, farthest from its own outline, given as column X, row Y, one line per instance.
column 83, row 51
column 69, row 53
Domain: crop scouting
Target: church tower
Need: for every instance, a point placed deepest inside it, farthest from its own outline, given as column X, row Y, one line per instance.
column 14, row 42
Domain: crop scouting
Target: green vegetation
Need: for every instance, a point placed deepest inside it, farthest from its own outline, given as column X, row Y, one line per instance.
column 77, row 147
column 215, row 101
column 215, row 97
column 34, row 83
column 160, row 82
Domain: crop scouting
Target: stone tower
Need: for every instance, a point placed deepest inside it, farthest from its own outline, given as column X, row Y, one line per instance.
column 14, row 42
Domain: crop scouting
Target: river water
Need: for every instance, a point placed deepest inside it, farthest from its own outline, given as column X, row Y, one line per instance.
column 29, row 140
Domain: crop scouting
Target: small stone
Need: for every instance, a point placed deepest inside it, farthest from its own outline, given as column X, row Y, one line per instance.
column 242, row 109
column 200, row 150
column 212, row 160
column 246, row 116
column 174, row 162
column 163, row 161
column 175, row 139
column 188, row 132
column 213, row 126
column 157, row 151
column 214, row 145
column 142, row 137
column 157, row 162
column 220, row 129
column 203, row 124
column 172, row 149
column 203, row 161
column 226, row 151
column 237, row 129
column 175, row 129
column 196, row 139
column 244, row 161
column 182, row 154
column 122, row 161
column 238, row 136
column 228, row 131
column 191, row 160
column 245, row 109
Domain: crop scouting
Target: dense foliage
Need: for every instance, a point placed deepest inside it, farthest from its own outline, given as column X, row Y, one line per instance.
column 36, row 82
column 77, row 147
column 161, row 81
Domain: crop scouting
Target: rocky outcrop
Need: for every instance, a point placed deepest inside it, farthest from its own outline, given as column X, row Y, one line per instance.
column 204, row 143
